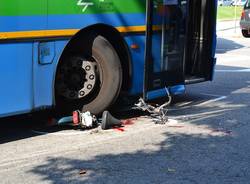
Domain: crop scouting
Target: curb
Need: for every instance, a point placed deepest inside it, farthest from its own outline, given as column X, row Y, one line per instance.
column 231, row 20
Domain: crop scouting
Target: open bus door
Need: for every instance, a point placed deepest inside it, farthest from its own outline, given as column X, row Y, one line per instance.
column 180, row 44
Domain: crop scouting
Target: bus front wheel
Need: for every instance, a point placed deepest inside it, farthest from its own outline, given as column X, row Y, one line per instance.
column 90, row 81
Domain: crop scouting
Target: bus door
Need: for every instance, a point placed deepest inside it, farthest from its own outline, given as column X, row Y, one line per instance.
column 165, row 41
column 200, row 41
column 180, row 43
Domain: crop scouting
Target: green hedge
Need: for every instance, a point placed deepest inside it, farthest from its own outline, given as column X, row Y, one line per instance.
column 228, row 12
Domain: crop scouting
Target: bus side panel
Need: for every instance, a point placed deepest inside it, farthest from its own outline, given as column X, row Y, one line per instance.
column 22, row 23
column 44, row 74
column 16, row 78
column 137, row 56
column 56, row 22
column 138, row 60
column 20, row 15
column 77, row 14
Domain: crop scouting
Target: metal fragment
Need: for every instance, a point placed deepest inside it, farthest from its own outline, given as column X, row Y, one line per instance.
column 158, row 114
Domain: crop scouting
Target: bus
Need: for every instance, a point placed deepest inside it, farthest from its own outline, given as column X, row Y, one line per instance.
column 84, row 54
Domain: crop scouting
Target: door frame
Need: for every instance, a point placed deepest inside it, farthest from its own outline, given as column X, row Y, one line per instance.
column 162, row 79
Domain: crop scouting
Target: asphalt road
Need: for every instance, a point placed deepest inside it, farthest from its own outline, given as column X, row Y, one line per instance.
column 206, row 140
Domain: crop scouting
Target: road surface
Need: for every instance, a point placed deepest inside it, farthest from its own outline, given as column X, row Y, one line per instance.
column 206, row 140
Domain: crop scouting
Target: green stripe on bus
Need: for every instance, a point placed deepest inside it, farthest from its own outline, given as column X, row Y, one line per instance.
column 64, row 7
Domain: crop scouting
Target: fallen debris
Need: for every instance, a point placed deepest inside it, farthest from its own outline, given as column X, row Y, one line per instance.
column 158, row 114
column 87, row 121
column 170, row 170
column 94, row 132
column 176, row 126
column 83, row 172
column 226, row 132
column 108, row 121
column 84, row 120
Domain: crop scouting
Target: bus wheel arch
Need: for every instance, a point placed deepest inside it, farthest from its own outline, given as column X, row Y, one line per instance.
column 85, row 40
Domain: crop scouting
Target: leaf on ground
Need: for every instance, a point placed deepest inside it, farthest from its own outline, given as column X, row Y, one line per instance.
column 83, row 172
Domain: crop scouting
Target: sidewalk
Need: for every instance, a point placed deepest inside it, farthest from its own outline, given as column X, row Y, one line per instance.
column 228, row 28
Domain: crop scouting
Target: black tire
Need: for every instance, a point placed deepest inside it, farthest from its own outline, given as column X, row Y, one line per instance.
column 245, row 33
column 111, row 71
column 110, row 79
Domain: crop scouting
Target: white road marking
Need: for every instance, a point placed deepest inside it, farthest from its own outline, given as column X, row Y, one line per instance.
column 172, row 122
column 212, row 101
column 213, row 95
column 235, row 71
column 199, row 115
column 184, row 105
column 231, row 59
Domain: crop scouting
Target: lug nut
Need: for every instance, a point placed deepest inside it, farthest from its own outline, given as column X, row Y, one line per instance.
column 89, row 86
column 91, row 77
column 82, row 93
column 87, row 68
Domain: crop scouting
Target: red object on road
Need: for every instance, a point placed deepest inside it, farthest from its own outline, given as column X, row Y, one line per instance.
column 76, row 118
column 119, row 129
column 127, row 122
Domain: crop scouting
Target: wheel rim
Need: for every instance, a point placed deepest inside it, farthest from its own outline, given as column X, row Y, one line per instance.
column 76, row 78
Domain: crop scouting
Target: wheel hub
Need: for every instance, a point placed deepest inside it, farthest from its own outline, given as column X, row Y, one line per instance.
column 76, row 78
